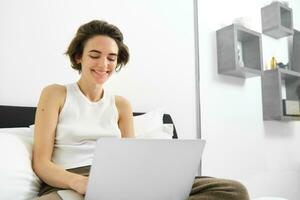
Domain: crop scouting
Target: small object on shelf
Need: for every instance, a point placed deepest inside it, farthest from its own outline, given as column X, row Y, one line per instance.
column 240, row 54
column 286, row 3
column 291, row 107
column 282, row 66
column 273, row 63
column 245, row 21
column 277, row 20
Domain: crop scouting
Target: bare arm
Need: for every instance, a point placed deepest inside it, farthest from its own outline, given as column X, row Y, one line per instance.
column 50, row 103
column 125, row 117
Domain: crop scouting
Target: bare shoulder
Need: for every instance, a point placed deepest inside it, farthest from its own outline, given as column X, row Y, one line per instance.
column 122, row 104
column 56, row 89
column 54, row 94
column 121, row 101
column 125, row 116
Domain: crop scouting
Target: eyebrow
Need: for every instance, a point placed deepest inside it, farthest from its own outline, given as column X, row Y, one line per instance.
column 111, row 54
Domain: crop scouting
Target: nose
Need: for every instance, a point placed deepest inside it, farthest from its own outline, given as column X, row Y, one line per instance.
column 102, row 63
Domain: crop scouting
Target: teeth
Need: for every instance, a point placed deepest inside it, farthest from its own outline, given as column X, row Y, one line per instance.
column 99, row 72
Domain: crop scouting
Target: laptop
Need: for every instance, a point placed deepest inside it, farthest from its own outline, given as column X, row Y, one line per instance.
column 135, row 169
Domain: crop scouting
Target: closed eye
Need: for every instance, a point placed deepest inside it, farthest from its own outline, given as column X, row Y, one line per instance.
column 94, row 57
column 112, row 59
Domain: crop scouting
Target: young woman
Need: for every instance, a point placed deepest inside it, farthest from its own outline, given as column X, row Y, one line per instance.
column 70, row 118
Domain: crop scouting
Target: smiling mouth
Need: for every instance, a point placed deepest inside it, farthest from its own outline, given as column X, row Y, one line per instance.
column 99, row 72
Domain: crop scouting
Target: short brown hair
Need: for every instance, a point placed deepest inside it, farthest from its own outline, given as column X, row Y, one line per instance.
column 91, row 29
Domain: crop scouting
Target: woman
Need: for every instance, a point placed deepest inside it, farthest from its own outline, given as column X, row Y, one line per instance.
column 70, row 118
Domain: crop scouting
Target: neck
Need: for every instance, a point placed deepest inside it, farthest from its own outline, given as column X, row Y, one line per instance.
column 93, row 92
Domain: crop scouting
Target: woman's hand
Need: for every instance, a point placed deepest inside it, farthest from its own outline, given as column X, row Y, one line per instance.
column 79, row 184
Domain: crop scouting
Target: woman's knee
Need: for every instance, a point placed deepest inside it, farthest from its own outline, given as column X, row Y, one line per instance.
column 215, row 188
column 240, row 191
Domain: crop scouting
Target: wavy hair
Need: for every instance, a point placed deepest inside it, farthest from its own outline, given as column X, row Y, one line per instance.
column 91, row 29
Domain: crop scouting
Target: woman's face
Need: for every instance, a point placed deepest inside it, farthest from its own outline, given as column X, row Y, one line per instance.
column 99, row 59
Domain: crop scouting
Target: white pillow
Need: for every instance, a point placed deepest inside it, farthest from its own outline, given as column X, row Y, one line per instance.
column 148, row 122
column 150, row 126
column 164, row 131
column 18, row 130
column 18, row 181
column 31, row 127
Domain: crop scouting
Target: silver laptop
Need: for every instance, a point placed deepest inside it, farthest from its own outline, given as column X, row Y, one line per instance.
column 135, row 169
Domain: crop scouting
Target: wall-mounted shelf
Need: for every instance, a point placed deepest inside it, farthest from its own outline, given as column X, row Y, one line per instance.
column 279, row 85
column 239, row 51
column 277, row 20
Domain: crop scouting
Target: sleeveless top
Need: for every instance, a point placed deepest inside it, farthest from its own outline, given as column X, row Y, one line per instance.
column 80, row 123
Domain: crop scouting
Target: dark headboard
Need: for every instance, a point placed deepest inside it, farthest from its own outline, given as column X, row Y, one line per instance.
column 21, row 116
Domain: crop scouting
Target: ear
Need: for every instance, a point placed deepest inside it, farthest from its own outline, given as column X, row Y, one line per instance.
column 78, row 59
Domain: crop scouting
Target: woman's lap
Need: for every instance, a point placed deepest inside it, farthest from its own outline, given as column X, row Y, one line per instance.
column 204, row 188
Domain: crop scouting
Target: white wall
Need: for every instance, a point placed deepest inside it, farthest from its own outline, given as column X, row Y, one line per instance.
column 264, row 155
column 34, row 35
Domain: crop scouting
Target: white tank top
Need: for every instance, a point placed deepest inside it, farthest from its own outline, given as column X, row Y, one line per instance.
column 80, row 123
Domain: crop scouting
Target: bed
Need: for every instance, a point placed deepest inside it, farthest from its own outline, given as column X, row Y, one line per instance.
column 17, row 179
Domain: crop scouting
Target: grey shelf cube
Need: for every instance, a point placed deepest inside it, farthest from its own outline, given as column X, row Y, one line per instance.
column 277, row 20
column 232, row 40
column 272, row 94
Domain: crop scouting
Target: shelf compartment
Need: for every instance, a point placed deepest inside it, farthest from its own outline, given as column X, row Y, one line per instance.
column 277, row 85
column 277, row 20
column 239, row 51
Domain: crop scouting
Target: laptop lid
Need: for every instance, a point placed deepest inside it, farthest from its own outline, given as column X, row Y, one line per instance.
column 135, row 169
